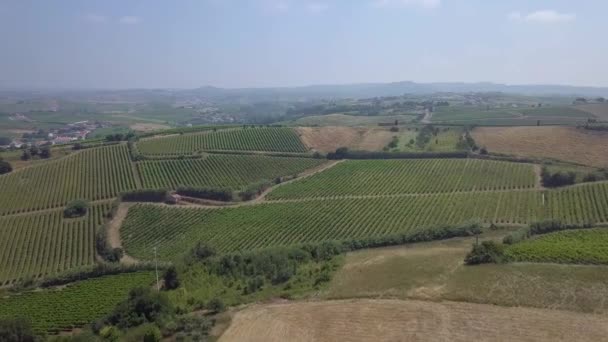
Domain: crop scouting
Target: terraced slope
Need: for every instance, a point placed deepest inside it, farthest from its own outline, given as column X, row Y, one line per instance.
column 220, row 170
column 585, row 203
column 176, row 230
column 250, row 139
column 390, row 177
column 45, row 243
column 92, row 174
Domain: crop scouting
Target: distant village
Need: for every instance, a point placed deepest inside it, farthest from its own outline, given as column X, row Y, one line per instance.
column 69, row 133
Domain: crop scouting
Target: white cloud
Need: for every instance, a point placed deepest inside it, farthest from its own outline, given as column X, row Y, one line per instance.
column 317, row 7
column 429, row 4
column 543, row 17
column 95, row 18
column 130, row 20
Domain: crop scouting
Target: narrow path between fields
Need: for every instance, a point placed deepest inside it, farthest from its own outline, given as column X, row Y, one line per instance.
column 113, row 232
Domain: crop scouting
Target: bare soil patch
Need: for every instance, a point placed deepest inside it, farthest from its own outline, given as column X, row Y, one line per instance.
column 147, row 127
column 396, row 320
column 328, row 139
column 563, row 143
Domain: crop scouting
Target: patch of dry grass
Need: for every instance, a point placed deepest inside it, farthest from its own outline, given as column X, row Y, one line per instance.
column 396, row 320
column 556, row 142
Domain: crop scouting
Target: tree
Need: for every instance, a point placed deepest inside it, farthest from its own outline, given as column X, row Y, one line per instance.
column 45, row 152
column 5, row 167
column 170, row 278
column 34, row 150
column 484, row 253
column 203, row 251
column 76, row 208
column 26, row 155
column 142, row 306
column 16, row 330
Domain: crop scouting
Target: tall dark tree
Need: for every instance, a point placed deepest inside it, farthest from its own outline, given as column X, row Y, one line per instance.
column 170, row 278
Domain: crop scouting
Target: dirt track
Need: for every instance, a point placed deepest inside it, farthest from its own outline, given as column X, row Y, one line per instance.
column 395, row 320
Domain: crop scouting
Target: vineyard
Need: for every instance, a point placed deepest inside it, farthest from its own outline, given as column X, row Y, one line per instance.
column 76, row 305
column 220, row 170
column 45, row 243
column 93, row 174
column 250, row 139
column 175, row 231
column 389, row 177
column 587, row 203
column 587, row 246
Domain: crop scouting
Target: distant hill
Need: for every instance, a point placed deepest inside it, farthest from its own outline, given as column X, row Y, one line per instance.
column 360, row 90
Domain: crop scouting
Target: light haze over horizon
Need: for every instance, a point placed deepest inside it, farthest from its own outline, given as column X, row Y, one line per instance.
column 273, row 43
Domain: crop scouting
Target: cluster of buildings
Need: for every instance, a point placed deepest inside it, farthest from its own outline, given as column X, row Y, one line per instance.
column 71, row 132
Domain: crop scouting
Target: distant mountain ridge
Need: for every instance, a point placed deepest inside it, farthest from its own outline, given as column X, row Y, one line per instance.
column 358, row 90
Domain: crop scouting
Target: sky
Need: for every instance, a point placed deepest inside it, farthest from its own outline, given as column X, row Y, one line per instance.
column 266, row 43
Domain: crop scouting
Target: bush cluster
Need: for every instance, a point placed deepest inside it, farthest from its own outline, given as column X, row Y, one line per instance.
column 224, row 195
column 344, row 153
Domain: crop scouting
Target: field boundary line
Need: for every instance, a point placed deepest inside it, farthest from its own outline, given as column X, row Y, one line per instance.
column 30, row 212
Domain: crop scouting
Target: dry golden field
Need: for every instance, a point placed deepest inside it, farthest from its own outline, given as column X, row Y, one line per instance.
column 410, row 320
column 556, row 142
column 328, row 139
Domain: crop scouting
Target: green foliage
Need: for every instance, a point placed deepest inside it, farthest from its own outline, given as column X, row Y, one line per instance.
column 485, row 253
column 46, row 243
column 385, row 177
column 143, row 305
column 568, row 246
column 257, row 139
column 170, row 278
column 144, row 333
column 76, row 208
column 5, row 167
column 92, row 174
column 558, row 178
column 17, row 330
column 203, row 251
column 224, row 195
column 76, row 305
column 216, row 305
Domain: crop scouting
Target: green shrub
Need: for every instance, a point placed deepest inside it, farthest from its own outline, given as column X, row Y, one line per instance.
column 216, row 305
column 484, row 253
column 143, row 306
column 76, row 208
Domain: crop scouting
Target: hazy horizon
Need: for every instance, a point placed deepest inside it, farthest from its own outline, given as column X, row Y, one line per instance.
column 113, row 44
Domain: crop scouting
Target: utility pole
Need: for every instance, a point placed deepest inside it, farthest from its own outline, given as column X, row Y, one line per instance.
column 156, row 268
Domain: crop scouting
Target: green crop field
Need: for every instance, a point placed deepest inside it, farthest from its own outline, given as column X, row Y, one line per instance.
column 585, row 203
column 585, row 246
column 92, row 174
column 175, row 230
column 45, row 243
column 518, row 116
column 389, row 177
column 250, row 139
column 229, row 171
column 74, row 306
